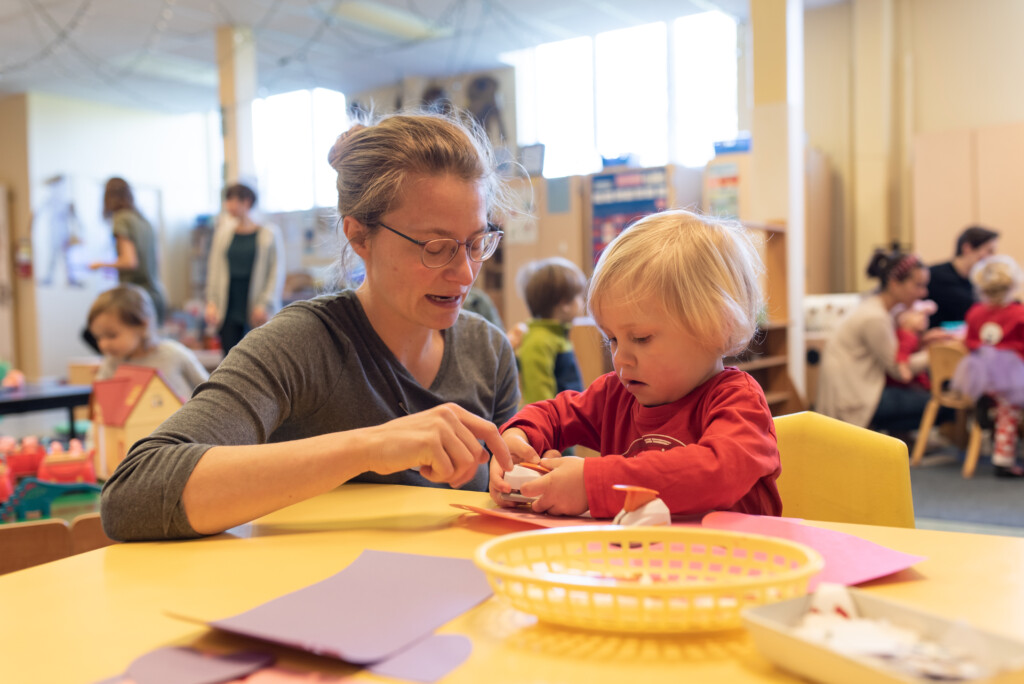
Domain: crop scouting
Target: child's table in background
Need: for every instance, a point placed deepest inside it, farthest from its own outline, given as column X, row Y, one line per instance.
column 45, row 397
column 104, row 608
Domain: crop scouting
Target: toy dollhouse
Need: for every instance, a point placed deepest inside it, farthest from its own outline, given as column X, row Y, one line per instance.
column 126, row 408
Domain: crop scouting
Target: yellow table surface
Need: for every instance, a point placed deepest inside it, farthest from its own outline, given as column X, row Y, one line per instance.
column 86, row 617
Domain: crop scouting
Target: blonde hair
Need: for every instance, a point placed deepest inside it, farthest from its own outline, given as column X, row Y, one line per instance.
column 545, row 284
column 705, row 272
column 996, row 278
column 131, row 304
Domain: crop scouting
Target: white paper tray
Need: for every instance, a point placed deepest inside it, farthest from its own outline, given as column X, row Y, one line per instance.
column 771, row 626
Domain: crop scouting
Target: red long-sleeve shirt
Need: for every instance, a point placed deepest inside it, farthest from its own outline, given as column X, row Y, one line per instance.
column 1010, row 333
column 714, row 449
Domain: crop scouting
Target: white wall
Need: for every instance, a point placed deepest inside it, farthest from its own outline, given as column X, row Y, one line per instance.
column 166, row 160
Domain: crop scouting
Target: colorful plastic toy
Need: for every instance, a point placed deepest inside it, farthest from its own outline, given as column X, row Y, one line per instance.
column 35, row 496
column 24, row 461
column 74, row 465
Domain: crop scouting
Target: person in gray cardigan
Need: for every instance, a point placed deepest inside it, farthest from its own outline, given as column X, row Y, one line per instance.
column 245, row 270
column 389, row 382
column 861, row 353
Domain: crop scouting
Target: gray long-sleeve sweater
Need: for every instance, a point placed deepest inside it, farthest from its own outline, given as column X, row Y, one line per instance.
column 317, row 367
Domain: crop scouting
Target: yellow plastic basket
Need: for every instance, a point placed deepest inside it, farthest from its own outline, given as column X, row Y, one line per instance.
column 644, row 579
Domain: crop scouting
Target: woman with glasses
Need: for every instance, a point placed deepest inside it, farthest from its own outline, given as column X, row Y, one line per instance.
column 388, row 382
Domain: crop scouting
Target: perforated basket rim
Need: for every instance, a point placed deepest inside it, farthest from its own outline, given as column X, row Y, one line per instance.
column 812, row 564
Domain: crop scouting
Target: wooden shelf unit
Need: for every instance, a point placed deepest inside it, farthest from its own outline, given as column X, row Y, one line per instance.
column 767, row 358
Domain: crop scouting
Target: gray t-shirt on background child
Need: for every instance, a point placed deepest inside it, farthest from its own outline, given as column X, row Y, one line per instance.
column 317, row 367
column 177, row 364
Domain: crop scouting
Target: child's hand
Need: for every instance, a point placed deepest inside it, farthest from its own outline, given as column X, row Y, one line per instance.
column 519, row 446
column 560, row 492
column 521, row 451
column 905, row 374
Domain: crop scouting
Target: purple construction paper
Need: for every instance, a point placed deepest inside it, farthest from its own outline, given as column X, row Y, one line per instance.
column 428, row 660
column 379, row 605
column 848, row 559
column 179, row 665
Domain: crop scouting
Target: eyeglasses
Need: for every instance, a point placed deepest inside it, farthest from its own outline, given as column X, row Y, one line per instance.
column 440, row 251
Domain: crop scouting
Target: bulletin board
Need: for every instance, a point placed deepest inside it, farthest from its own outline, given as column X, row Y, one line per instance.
column 619, row 199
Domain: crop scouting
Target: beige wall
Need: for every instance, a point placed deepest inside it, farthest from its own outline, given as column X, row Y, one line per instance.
column 951, row 64
column 162, row 156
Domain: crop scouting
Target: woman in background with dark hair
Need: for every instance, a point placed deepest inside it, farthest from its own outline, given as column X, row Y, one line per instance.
column 245, row 274
column 862, row 352
column 135, row 243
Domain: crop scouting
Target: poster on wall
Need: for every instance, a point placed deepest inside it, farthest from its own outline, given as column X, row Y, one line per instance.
column 723, row 189
column 619, row 199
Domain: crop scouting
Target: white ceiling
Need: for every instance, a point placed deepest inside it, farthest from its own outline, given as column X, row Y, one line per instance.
column 160, row 54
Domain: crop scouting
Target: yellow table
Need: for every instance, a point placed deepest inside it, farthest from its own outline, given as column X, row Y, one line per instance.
column 86, row 617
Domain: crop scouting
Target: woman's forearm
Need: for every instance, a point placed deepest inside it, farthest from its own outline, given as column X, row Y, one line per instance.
column 231, row 485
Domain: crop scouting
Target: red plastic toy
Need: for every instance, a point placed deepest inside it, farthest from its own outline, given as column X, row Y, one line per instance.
column 74, row 465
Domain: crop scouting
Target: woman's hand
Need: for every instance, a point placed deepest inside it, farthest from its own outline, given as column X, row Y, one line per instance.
column 933, row 335
column 258, row 317
column 210, row 315
column 560, row 492
column 443, row 442
column 521, row 452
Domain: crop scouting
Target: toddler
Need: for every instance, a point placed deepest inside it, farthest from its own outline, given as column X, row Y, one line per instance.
column 910, row 326
column 672, row 295
column 122, row 319
column 995, row 366
column 553, row 290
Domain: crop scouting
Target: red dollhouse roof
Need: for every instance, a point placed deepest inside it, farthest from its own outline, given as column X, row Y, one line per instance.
column 117, row 396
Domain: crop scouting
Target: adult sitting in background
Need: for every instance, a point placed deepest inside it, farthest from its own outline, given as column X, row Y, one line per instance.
column 389, row 382
column 863, row 351
column 950, row 286
column 245, row 275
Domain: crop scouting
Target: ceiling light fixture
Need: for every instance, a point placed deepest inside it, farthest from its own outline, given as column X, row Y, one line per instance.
column 389, row 21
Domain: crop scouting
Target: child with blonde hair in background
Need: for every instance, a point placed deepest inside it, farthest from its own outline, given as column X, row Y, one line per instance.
column 553, row 290
column 672, row 295
column 123, row 321
column 995, row 366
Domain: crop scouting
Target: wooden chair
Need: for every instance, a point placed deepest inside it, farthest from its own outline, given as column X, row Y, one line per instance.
column 25, row 544
column 87, row 534
column 838, row 472
column 943, row 358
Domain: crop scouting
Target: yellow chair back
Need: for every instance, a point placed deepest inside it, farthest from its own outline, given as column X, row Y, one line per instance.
column 838, row 472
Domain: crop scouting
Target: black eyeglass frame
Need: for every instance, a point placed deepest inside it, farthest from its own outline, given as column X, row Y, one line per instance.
column 491, row 231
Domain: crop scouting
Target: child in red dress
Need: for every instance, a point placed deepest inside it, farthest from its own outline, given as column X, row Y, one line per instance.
column 995, row 366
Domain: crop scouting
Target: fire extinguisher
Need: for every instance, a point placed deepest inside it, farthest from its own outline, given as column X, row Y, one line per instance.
column 23, row 258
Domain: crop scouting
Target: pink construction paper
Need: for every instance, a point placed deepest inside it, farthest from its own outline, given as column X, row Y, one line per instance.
column 381, row 604
column 848, row 559
column 528, row 517
column 428, row 660
column 278, row 675
column 179, row 665
column 524, row 515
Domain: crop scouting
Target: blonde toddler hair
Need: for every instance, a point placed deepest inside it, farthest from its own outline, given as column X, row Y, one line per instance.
column 705, row 272
column 996, row 278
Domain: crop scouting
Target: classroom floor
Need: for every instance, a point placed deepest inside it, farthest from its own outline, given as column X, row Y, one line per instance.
column 983, row 504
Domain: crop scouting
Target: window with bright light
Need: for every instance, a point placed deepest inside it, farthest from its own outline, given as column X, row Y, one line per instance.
column 631, row 76
column 704, row 85
column 611, row 95
column 292, row 134
column 555, row 104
